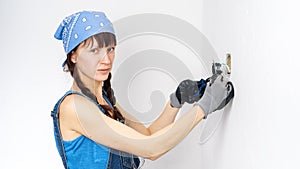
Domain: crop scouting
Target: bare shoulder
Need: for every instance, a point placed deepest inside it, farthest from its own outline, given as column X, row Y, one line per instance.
column 69, row 124
column 67, row 107
column 73, row 101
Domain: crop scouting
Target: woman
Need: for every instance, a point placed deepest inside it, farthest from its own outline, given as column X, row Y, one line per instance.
column 91, row 129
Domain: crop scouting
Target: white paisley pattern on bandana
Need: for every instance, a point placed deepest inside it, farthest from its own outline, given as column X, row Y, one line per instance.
column 67, row 31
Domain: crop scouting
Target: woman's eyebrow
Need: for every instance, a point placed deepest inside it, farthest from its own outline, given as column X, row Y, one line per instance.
column 92, row 44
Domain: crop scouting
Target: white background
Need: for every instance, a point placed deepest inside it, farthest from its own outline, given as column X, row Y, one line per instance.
column 259, row 131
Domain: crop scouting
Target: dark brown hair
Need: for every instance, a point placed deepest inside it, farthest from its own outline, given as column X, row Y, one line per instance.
column 103, row 40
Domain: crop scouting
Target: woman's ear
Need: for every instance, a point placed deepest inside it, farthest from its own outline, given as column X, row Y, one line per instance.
column 74, row 57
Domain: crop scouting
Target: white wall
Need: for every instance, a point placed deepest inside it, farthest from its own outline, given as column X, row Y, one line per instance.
column 258, row 130
column 261, row 129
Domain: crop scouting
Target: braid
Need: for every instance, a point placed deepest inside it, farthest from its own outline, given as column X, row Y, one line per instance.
column 110, row 94
column 85, row 90
column 82, row 87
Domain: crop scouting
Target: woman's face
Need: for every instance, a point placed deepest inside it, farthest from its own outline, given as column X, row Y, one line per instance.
column 92, row 61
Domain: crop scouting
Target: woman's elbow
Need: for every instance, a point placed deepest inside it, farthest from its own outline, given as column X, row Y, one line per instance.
column 152, row 156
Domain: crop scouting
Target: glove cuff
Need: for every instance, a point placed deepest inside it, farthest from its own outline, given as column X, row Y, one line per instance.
column 174, row 101
column 204, row 109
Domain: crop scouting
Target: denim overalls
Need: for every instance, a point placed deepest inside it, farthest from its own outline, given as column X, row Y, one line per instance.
column 115, row 159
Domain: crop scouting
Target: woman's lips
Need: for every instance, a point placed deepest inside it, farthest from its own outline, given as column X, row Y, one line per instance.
column 103, row 70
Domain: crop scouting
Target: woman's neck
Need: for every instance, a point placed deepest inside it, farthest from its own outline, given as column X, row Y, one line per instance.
column 94, row 87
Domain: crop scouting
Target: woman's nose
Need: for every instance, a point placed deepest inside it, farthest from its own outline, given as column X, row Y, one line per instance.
column 105, row 59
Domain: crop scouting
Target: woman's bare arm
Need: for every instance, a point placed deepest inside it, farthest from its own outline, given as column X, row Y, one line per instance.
column 166, row 117
column 92, row 123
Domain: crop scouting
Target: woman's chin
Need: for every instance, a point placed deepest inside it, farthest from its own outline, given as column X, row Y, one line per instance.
column 101, row 78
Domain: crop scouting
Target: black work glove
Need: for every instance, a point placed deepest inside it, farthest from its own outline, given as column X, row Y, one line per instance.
column 187, row 91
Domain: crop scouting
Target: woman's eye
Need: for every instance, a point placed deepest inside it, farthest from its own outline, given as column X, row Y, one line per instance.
column 94, row 51
column 111, row 49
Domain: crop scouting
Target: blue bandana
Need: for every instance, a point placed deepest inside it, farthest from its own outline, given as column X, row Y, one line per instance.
column 77, row 27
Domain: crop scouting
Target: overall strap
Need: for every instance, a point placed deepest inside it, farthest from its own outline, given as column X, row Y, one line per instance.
column 104, row 94
column 57, row 132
